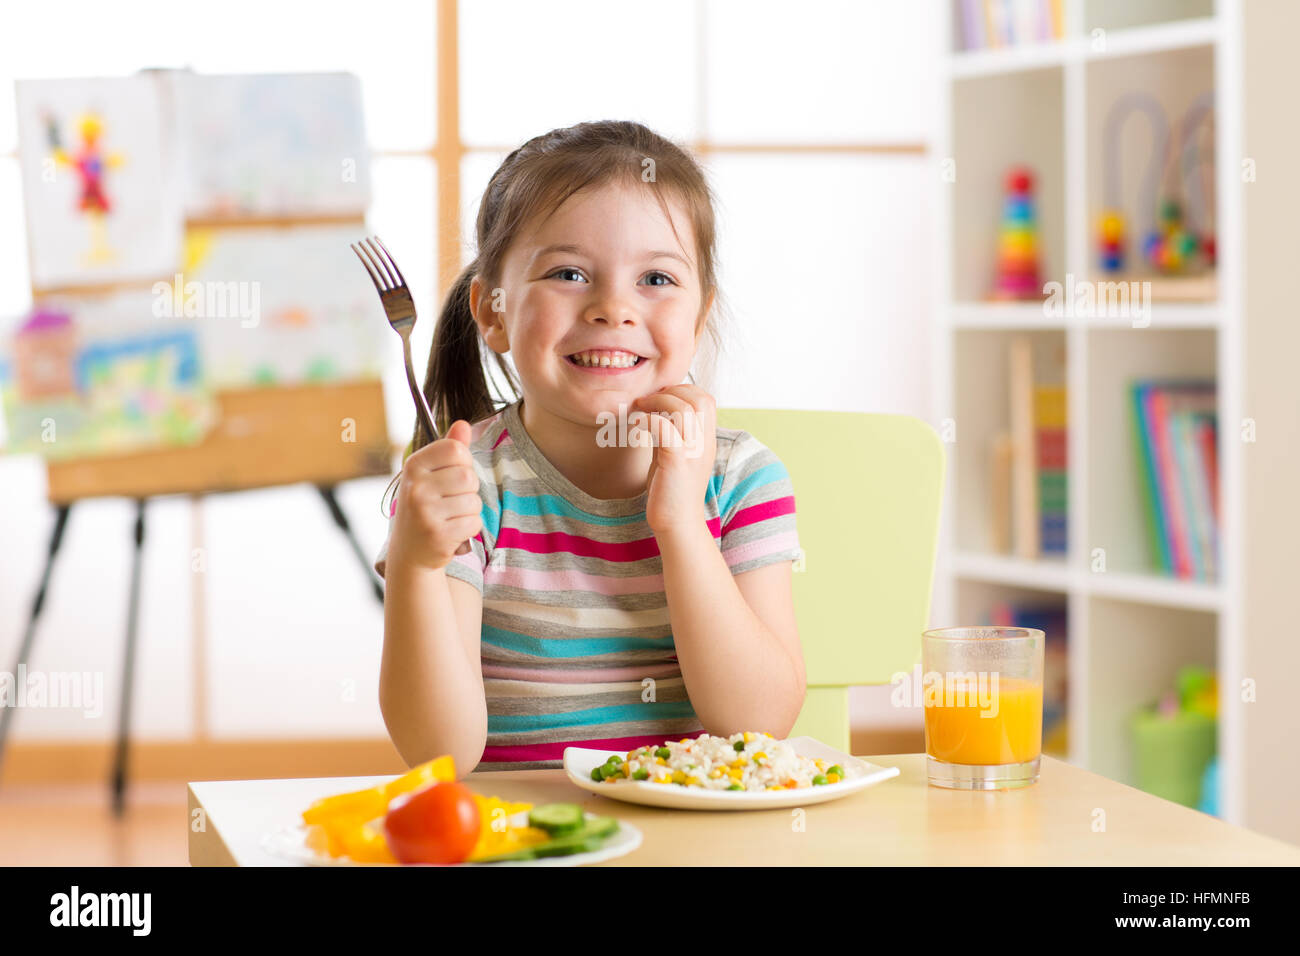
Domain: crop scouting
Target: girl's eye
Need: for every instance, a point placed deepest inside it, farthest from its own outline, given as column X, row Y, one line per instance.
column 662, row 275
column 558, row 272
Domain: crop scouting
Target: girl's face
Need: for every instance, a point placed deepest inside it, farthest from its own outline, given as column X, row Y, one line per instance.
column 604, row 276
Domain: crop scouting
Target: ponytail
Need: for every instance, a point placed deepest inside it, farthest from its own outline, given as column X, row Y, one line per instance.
column 456, row 383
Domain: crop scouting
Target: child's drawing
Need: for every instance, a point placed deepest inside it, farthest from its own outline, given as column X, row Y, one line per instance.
column 101, row 206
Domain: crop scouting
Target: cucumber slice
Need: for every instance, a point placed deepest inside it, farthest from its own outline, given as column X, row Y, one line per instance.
column 556, row 818
column 591, row 835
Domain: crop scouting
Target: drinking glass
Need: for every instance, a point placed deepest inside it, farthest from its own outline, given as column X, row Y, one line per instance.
column 983, row 697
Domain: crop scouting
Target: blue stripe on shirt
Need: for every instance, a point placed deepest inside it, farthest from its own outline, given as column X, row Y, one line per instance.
column 616, row 714
column 566, row 647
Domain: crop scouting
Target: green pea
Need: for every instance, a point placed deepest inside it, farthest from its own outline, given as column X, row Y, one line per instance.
column 641, row 774
column 614, row 759
column 596, row 774
column 818, row 780
column 735, row 786
column 836, row 768
column 663, row 752
column 739, row 745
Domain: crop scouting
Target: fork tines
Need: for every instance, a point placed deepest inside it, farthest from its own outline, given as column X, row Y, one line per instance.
column 379, row 263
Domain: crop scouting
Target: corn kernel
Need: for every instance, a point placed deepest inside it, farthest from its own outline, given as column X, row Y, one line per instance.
column 661, row 762
column 832, row 778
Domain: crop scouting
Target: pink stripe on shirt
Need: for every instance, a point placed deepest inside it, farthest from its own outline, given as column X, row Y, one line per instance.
column 555, row 751
column 760, row 512
column 559, row 541
column 788, row 540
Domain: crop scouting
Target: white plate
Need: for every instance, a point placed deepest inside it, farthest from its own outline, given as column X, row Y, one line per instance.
column 859, row 774
column 290, row 843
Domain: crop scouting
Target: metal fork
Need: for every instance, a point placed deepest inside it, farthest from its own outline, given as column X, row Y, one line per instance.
column 400, row 311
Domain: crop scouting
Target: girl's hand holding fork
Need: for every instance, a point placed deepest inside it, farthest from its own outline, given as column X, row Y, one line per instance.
column 438, row 504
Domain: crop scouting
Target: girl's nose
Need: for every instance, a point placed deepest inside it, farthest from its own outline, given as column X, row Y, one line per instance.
column 610, row 307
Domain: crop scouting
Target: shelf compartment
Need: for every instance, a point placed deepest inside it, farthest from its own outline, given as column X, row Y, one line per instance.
column 1117, row 505
column 1130, row 177
column 1133, row 654
column 982, row 407
column 1000, row 122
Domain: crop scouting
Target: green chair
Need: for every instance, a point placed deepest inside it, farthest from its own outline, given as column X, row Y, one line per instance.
column 867, row 494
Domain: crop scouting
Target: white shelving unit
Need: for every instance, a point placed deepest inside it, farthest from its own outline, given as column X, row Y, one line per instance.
column 1043, row 105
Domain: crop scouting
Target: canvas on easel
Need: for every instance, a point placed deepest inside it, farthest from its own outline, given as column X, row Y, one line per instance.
column 102, row 203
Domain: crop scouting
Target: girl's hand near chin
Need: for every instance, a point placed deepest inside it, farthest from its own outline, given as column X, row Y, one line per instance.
column 683, row 431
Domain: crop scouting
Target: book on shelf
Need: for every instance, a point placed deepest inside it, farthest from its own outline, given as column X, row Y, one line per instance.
column 1028, row 477
column 1050, row 437
column 993, row 24
column 1175, row 423
column 1052, row 619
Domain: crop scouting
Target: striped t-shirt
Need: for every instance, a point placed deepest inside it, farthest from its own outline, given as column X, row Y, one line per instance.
column 577, row 648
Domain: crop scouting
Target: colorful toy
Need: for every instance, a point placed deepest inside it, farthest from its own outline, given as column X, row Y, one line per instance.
column 1112, row 238
column 1017, row 268
column 1171, row 243
column 1176, row 244
column 1175, row 742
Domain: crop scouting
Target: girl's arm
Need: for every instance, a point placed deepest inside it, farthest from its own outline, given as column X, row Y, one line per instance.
column 736, row 637
column 431, row 677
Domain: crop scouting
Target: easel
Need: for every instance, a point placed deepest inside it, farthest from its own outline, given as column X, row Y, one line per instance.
column 264, row 437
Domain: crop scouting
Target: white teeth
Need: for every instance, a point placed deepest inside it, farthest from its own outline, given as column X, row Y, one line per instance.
column 605, row 360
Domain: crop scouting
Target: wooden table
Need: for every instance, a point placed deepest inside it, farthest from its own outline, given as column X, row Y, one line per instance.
column 1070, row 816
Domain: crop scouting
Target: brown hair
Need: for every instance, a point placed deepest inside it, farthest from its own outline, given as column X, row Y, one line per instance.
column 536, row 179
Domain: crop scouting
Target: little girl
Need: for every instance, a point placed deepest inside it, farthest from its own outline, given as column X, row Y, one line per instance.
column 616, row 592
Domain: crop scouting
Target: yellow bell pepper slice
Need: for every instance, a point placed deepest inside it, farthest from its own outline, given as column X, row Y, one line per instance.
column 438, row 770
column 373, row 801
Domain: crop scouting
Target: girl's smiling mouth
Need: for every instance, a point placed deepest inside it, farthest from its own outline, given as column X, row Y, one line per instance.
column 605, row 361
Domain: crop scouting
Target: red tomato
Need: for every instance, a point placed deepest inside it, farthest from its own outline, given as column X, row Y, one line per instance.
column 435, row 824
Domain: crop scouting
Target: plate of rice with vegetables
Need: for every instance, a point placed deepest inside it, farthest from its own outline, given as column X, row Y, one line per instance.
column 746, row 771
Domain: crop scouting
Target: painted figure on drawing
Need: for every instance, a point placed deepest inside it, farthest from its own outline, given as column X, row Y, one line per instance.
column 90, row 163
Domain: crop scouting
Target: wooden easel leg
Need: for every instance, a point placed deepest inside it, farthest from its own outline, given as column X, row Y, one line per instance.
column 340, row 519
column 25, row 648
column 128, row 668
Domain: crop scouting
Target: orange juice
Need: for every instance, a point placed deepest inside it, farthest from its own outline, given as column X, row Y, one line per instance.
column 957, row 730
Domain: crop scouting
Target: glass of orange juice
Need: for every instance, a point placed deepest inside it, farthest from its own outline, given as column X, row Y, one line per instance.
column 983, row 697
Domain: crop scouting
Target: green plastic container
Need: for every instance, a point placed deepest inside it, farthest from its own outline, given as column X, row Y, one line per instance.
column 1170, row 754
